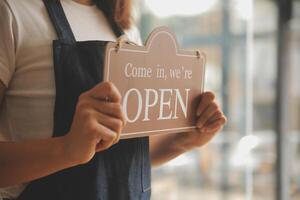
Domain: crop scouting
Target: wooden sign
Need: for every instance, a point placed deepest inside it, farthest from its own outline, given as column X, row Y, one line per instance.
column 159, row 84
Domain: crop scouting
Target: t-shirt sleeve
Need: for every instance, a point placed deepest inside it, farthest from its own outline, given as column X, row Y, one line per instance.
column 7, row 43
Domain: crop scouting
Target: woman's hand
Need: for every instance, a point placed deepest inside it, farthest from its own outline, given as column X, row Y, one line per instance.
column 210, row 120
column 96, row 126
column 97, row 123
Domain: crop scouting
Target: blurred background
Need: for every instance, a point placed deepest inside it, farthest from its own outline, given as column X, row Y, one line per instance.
column 253, row 53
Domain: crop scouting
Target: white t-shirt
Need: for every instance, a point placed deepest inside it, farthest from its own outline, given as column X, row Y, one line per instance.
column 26, row 65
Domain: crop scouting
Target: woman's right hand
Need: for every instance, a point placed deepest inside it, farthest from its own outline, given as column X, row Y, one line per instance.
column 97, row 123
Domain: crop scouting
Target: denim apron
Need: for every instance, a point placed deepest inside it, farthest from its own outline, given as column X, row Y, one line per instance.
column 119, row 173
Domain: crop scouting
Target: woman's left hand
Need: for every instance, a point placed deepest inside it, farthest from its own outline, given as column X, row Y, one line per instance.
column 210, row 120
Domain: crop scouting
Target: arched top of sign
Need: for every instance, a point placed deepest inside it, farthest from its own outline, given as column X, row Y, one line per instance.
column 161, row 37
column 167, row 35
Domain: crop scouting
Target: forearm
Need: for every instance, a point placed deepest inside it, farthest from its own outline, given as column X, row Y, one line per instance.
column 25, row 161
column 164, row 148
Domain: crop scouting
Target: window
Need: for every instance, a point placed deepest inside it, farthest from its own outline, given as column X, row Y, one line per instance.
column 240, row 163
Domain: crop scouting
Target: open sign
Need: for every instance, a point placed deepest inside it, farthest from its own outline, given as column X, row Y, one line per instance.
column 159, row 84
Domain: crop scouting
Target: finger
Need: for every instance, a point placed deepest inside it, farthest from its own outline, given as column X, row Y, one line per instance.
column 106, row 91
column 208, row 123
column 205, row 99
column 107, row 138
column 217, row 115
column 214, row 126
column 109, row 108
column 112, row 123
column 103, row 145
column 117, row 138
column 210, row 110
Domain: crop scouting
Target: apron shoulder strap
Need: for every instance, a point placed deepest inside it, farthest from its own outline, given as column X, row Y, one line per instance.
column 59, row 20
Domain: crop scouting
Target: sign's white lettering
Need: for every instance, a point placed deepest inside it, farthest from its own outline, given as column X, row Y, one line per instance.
column 159, row 84
column 169, row 102
column 137, row 72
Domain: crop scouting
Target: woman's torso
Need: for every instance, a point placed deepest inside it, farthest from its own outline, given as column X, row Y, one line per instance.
column 28, row 105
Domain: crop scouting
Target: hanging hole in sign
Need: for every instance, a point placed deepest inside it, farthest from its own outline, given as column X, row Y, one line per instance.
column 198, row 53
column 122, row 40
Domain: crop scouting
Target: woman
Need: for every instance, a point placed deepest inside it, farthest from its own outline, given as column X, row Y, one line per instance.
column 51, row 57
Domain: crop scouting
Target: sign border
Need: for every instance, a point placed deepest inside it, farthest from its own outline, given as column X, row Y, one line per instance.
column 148, row 47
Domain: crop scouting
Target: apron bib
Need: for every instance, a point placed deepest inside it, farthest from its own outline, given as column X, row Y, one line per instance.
column 119, row 173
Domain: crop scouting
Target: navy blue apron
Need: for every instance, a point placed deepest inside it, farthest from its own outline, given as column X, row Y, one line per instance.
column 119, row 173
